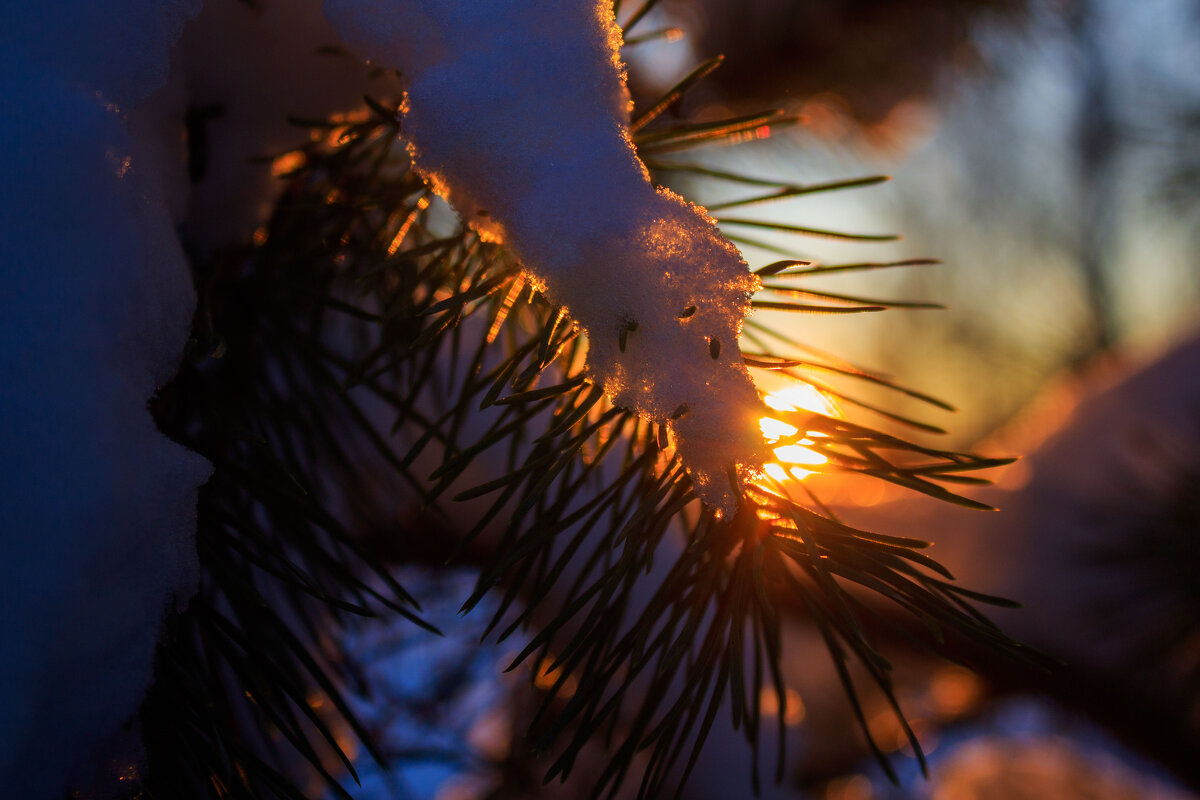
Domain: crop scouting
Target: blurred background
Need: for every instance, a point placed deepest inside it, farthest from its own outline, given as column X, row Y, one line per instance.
column 1045, row 151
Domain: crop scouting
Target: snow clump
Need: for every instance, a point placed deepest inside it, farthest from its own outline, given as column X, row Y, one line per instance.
column 98, row 507
column 518, row 113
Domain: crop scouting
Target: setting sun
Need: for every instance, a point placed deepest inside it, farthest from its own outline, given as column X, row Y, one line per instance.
column 791, row 460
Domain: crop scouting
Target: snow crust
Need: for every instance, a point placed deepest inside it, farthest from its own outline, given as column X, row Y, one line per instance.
column 98, row 507
column 518, row 114
column 119, row 49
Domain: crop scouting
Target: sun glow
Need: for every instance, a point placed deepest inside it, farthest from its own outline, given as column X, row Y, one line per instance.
column 791, row 459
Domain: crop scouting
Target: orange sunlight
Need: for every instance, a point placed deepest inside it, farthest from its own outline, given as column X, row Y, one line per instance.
column 791, row 460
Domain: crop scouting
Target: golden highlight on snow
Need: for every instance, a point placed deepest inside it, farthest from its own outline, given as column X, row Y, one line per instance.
column 518, row 113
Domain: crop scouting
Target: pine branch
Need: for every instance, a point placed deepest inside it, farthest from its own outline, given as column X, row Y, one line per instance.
column 353, row 298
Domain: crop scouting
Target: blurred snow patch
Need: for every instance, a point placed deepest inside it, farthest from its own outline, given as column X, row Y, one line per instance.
column 1028, row 748
column 436, row 704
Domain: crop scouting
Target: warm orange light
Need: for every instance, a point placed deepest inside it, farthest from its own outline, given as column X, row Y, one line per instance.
column 793, row 712
column 288, row 163
column 954, row 691
column 547, row 678
column 791, row 459
column 405, row 226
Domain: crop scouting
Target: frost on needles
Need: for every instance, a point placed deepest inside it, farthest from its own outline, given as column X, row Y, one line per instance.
column 518, row 113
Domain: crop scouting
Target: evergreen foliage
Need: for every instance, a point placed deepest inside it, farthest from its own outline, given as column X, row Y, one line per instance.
column 362, row 336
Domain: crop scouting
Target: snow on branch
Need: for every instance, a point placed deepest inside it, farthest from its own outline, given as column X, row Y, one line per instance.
column 517, row 112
